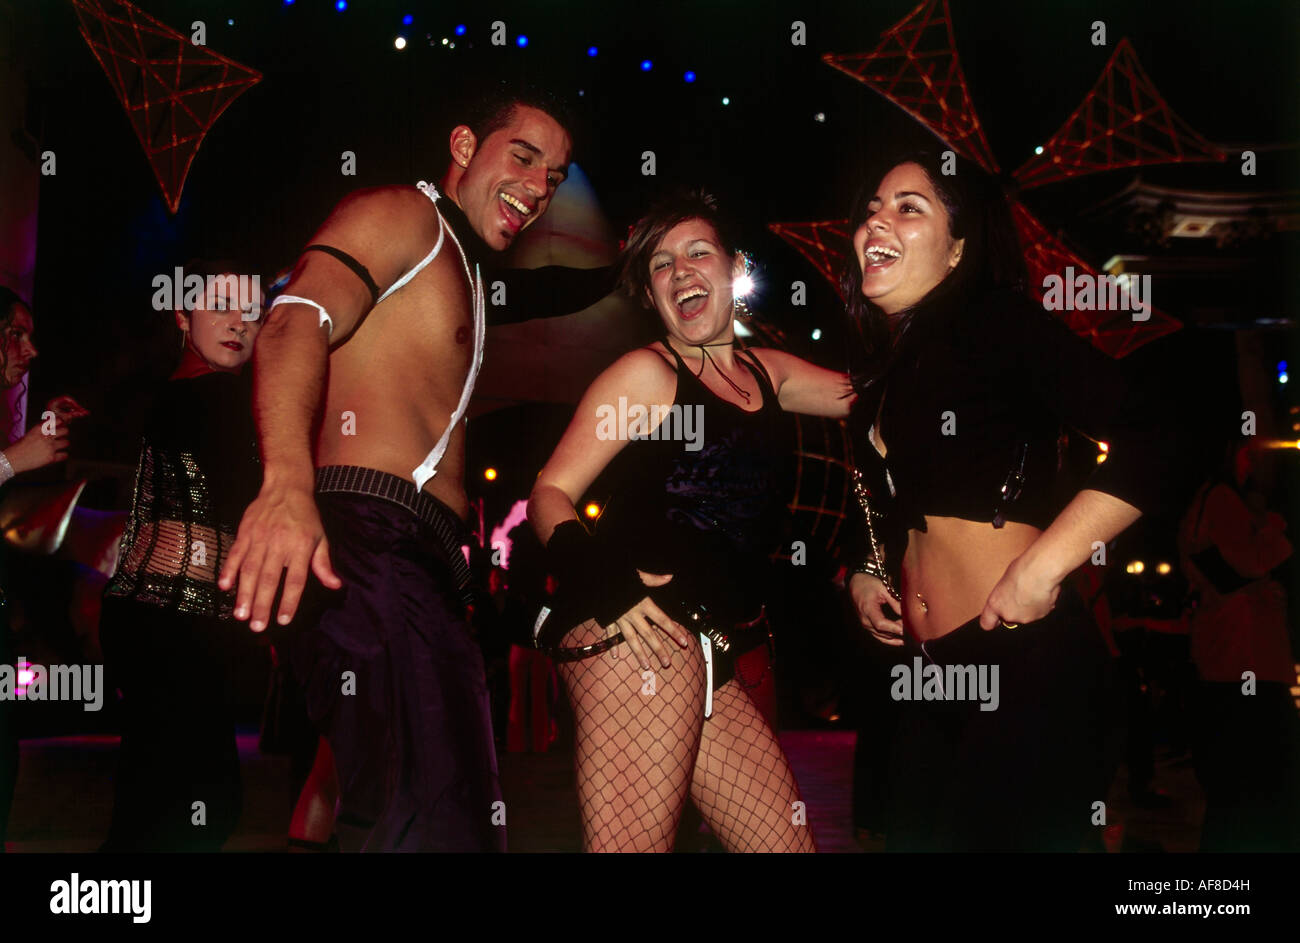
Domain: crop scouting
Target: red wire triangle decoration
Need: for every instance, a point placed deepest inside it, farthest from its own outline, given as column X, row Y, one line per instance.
column 1123, row 122
column 172, row 90
column 916, row 67
column 1114, row 332
column 824, row 244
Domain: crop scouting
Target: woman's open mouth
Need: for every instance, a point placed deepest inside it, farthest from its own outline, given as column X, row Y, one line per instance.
column 877, row 258
column 233, row 345
column 691, row 301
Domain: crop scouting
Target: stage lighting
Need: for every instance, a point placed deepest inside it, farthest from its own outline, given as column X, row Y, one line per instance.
column 460, row 30
column 646, row 65
column 817, row 334
column 742, row 286
column 1164, row 569
column 399, row 42
column 341, row 5
column 591, row 51
column 689, row 76
column 408, row 20
column 726, row 101
column 521, row 42
column 490, row 474
column 592, row 509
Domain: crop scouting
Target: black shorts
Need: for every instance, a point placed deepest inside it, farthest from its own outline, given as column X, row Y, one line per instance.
column 395, row 682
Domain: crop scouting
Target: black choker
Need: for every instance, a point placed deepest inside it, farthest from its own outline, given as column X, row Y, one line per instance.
column 706, row 360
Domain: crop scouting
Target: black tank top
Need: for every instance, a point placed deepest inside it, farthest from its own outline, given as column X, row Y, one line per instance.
column 707, row 499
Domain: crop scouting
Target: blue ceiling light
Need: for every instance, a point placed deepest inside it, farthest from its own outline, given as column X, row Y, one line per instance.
column 689, row 76
column 522, row 41
column 408, row 20
column 646, row 65
column 460, row 30
column 591, row 51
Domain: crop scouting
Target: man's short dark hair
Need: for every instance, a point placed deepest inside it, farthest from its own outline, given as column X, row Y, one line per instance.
column 494, row 108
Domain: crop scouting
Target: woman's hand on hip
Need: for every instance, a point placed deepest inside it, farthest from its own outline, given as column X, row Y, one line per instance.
column 870, row 601
column 1024, row 594
column 642, row 624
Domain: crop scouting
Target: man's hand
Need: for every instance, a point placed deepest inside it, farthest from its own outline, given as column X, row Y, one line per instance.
column 280, row 530
column 1024, row 594
column 870, row 600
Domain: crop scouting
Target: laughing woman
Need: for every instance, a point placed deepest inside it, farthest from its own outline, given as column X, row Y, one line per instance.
column 966, row 386
column 670, row 590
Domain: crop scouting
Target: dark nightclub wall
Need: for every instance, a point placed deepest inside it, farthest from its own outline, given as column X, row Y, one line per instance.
column 269, row 170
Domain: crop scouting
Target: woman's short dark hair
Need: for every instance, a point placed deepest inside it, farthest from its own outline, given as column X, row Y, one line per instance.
column 977, row 210
column 675, row 207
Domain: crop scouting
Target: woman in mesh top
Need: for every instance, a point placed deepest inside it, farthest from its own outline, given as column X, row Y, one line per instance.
column 165, row 627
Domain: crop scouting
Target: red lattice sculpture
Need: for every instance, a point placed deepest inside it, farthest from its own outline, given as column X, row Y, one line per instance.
column 916, row 67
column 172, row 90
column 1115, row 332
column 1123, row 122
column 824, row 244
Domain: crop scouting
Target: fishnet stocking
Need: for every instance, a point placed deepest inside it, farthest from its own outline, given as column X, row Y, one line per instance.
column 642, row 745
column 743, row 785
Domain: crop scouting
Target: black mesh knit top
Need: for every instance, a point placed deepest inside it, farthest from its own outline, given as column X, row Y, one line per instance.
column 198, row 471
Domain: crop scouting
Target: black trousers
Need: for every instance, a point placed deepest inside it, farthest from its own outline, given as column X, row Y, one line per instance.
column 1022, row 777
column 1246, row 748
column 178, row 745
column 395, row 682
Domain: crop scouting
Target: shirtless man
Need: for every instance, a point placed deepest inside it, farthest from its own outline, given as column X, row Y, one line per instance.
column 365, row 364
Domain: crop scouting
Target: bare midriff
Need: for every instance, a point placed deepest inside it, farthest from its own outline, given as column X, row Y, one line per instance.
column 950, row 569
column 395, row 382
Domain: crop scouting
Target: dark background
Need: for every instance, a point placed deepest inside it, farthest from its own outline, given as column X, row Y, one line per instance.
column 268, row 172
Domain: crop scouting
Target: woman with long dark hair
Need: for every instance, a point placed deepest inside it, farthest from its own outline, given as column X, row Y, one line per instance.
column 965, row 384
column 661, row 603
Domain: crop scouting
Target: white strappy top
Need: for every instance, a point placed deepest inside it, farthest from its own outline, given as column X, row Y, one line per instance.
column 429, row 467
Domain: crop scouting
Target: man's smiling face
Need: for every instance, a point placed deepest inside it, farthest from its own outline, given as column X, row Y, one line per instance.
column 511, row 175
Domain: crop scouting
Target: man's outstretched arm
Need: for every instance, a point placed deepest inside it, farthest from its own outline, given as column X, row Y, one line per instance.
column 551, row 291
column 281, row 530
